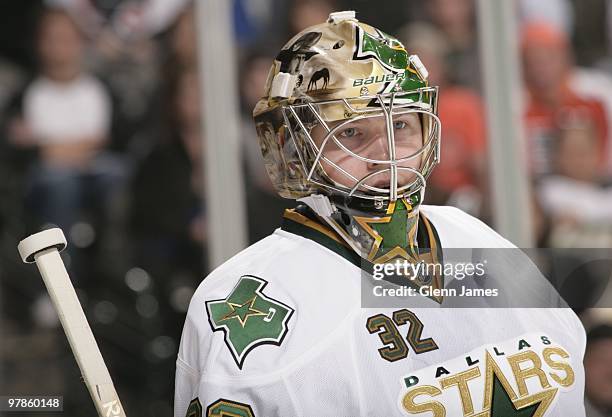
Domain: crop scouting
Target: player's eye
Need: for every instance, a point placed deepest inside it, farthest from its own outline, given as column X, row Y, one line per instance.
column 349, row 132
column 399, row 124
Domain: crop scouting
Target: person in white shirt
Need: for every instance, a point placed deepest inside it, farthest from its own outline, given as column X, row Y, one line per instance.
column 65, row 114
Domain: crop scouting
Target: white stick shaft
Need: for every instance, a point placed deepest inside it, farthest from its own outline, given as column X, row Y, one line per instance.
column 79, row 333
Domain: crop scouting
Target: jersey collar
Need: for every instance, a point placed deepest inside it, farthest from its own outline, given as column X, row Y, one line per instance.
column 303, row 222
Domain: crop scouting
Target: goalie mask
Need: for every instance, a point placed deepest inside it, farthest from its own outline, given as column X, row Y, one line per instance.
column 348, row 126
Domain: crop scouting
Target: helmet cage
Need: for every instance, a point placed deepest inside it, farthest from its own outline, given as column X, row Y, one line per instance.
column 300, row 118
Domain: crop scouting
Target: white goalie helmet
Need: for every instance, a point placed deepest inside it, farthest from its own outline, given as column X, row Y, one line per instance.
column 324, row 85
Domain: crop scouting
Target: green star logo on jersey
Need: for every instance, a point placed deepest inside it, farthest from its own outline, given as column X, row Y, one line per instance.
column 249, row 318
column 393, row 235
column 394, row 231
column 502, row 401
column 502, row 406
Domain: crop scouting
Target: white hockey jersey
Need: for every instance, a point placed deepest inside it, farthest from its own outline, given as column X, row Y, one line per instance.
column 278, row 330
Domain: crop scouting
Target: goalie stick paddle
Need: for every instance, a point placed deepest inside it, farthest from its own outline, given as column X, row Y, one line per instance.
column 43, row 248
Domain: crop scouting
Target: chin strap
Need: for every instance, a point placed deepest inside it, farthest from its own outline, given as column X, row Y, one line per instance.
column 324, row 208
column 320, row 204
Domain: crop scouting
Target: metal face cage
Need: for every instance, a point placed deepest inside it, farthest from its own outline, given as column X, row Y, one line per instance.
column 387, row 164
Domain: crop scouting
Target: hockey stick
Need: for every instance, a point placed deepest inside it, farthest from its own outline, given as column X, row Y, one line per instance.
column 43, row 248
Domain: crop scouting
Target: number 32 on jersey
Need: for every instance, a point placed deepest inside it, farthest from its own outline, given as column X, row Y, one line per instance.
column 395, row 347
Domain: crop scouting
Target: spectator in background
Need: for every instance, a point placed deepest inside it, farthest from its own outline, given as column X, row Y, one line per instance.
column 458, row 179
column 64, row 113
column 575, row 199
column 550, row 99
column 126, row 51
column 598, row 371
column 457, row 20
column 585, row 22
column 596, row 84
column 557, row 13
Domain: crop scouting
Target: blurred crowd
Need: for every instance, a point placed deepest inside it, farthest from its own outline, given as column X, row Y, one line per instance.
column 100, row 133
